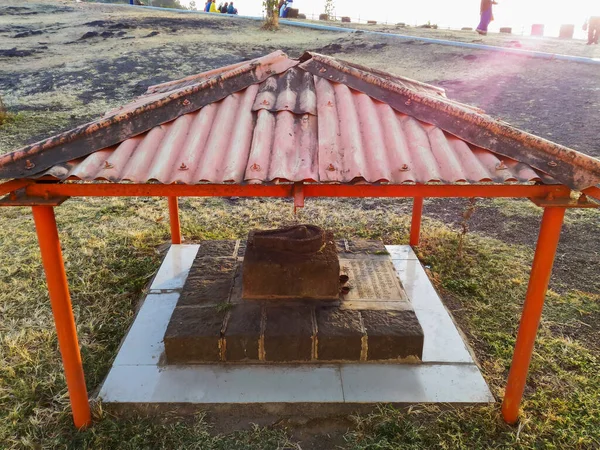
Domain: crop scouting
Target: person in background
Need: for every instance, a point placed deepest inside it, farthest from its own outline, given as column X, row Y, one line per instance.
column 285, row 9
column 223, row 8
column 213, row 7
column 593, row 29
column 282, row 9
column 486, row 16
column 207, row 6
column 231, row 9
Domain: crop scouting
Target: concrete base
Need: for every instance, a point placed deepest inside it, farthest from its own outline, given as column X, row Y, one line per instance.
column 138, row 379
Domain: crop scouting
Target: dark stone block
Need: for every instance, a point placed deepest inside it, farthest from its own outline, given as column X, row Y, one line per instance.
column 288, row 333
column 274, row 269
column 339, row 335
column 209, row 282
column 243, row 332
column 206, row 292
column 216, row 248
column 193, row 335
column 392, row 335
column 211, row 268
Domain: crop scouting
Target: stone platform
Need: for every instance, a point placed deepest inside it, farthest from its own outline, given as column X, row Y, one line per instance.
column 139, row 380
column 372, row 321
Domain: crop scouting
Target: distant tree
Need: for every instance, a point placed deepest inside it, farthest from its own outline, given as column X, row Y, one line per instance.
column 192, row 5
column 272, row 15
column 329, row 9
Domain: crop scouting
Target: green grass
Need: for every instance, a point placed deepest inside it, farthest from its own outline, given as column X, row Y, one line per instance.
column 111, row 249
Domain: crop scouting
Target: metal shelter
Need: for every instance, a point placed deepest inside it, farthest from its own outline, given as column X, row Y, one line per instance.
column 308, row 127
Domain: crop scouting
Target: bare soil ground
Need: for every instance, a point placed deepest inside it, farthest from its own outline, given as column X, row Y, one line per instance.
column 574, row 47
column 64, row 63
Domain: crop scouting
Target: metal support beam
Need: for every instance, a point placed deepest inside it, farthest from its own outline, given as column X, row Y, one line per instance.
column 174, row 219
column 298, row 196
column 415, row 224
column 56, row 278
column 539, row 278
column 286, row 190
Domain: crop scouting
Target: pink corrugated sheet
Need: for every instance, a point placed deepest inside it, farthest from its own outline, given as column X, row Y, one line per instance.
column 294, row 127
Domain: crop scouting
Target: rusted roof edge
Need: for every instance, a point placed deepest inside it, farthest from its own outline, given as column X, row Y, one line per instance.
column 196, row 77
column 574, row 169
column 111, row 130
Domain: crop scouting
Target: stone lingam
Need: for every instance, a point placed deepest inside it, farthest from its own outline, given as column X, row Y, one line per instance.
column 292, row 295
column 294, row 263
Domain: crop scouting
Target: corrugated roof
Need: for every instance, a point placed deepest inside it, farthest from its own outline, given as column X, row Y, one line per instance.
column 317, row 120
column 294, row 128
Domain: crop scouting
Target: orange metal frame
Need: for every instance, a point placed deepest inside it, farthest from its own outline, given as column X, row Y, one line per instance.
column 61, row 303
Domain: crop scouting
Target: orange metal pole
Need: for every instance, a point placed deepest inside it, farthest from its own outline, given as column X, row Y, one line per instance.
column 56, row 278
column 174, row 218
column 415, row 224
column 539, row 278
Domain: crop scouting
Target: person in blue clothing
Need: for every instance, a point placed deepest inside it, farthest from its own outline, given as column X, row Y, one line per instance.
column 207, row 6
column 285, row 8
column 231, row 9
column 485, row 11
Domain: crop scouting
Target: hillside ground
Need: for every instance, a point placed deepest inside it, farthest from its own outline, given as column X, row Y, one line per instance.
column 65, row 63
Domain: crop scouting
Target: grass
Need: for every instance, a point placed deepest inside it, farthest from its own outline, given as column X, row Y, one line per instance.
column 112, row 248
column 110, row 263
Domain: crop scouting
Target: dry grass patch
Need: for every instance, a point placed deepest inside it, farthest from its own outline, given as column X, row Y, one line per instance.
column 110, row 249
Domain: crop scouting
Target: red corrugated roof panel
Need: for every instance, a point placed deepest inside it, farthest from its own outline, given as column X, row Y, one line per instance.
column 336, row 135
column 315, row 119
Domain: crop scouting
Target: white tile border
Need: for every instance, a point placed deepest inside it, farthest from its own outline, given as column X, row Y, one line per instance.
column 447, row 373
column 175, row 268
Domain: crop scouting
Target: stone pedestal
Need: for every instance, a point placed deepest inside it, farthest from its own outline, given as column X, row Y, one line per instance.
column 371, row 320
